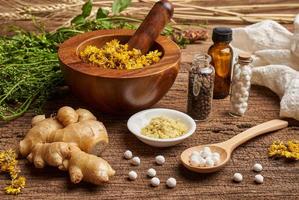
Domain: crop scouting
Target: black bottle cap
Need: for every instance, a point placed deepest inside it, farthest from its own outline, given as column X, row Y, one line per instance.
column 222, row 34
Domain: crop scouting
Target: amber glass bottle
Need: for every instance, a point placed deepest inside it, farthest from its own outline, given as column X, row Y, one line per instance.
column 222, row 56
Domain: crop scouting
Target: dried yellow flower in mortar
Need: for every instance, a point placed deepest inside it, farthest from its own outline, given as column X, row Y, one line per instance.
column 163, row 128
column 9, row 163
column 114, row 55
column 289, row 150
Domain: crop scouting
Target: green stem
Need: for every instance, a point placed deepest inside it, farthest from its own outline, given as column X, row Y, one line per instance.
column 10, row 91
column 16, row 114
column 36, row 63
column 120, row 18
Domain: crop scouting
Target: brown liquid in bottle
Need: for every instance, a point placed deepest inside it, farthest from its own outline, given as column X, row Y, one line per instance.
column 222, row 56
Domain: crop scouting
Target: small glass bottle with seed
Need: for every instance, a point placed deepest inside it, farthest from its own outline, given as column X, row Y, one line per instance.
column 200, row 88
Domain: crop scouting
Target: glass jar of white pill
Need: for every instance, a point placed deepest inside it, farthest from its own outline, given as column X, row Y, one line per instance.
column 241, row 85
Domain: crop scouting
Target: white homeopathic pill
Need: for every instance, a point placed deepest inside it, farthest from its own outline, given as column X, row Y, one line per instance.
column 196, row 153
column 215, row 157
column 202, row 161
column 259, row 179
column 238, row 177
column 209, row 162
column 160, row 160
column 171, row 182
column 206, row 149
column 257, row 167
column 128, row 154
column 151, row 172
column 206, row 152
column 136, row 161
column 132, row 175
column 155, row 181
column 195, row 162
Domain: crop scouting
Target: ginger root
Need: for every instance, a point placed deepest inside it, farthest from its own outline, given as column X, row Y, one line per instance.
column 79, row 127
column 68, row 141
column 88, row 167
column 52, row 154
column 65, row 156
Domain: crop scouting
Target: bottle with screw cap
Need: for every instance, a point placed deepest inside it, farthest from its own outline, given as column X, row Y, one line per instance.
column 222, row 56
column 241, row 85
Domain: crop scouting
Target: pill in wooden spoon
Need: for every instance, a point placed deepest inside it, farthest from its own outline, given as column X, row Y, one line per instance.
column 152, row 26
column 226, row 148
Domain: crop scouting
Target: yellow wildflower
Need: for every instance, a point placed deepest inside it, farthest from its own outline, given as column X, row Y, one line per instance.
column 289, row 150
column 16, row 185
column 8, row 163
column 114, row 55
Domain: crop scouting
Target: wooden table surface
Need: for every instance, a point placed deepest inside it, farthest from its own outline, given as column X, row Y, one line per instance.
column 281, row 177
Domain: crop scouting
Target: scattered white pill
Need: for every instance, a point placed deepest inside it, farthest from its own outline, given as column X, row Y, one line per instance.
column 238, row 177
column 160, row 160
column 136, row 161
column 128, row 154
column 132, row 175
column 155, row 181
column 257, row 167
column 259, row 179
column 151, row 172
column 171, row 182
column 209, row 162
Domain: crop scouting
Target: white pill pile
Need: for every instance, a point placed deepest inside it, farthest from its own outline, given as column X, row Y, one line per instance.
column 132, row 175
column 160, row 160
column 204, row 158
column 240, row 89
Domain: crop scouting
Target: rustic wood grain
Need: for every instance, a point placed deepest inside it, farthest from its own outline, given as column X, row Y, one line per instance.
column 281, row 177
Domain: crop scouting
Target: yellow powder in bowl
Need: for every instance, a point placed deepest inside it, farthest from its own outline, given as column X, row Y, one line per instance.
column 114, row 55
column 164, row 128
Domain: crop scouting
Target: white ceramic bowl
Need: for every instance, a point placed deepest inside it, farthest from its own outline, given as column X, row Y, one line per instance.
column 142, row 118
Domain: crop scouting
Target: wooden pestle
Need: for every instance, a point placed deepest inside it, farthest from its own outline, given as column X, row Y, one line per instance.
column 152, row 26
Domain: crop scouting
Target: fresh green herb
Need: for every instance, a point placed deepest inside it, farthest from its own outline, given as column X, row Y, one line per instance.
column 119, row 5
column 29, row 72
column 102, row 13
column 86, row 8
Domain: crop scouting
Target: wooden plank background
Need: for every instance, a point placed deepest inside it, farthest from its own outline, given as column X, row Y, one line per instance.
column 281, row 177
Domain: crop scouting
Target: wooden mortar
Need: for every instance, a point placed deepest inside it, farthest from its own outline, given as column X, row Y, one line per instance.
column 118, row 91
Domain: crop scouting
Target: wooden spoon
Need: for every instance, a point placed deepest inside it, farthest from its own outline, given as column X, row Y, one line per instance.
column 226, row 148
